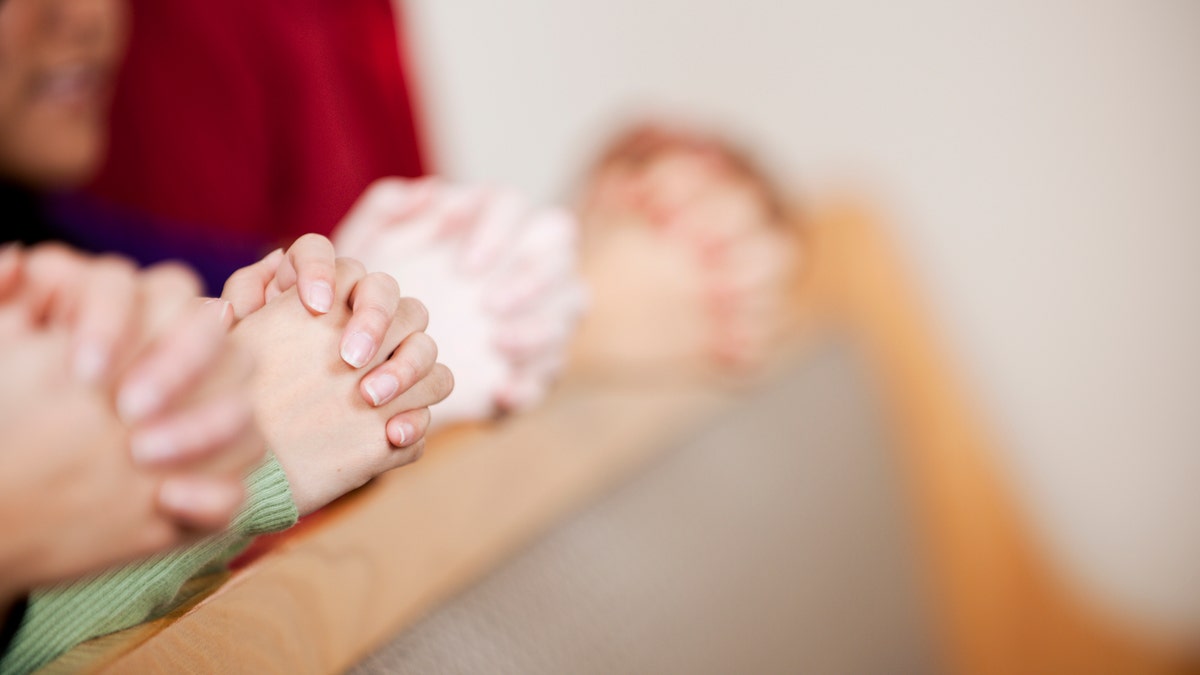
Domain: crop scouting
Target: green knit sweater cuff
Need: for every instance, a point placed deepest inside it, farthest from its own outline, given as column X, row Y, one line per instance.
column 269, row 505
column 61, row 616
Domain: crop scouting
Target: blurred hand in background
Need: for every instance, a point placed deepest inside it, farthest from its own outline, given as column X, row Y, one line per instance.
column 500, row 278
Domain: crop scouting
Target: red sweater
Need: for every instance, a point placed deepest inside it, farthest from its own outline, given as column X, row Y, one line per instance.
column 252, row 122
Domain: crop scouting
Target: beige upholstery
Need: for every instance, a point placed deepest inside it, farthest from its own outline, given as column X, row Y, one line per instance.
column 775, row 540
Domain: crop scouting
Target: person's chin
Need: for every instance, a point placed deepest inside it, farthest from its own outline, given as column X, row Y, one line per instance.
column 66, row 164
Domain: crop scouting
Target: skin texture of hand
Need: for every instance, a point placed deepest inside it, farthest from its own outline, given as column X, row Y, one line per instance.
column 166, row 358
column 309, row 266
column 713, row 203
column 72, row 502
column 537, row 295
column 74, row 498
column 648, row 318
column 750, row 265
column 316, row 411
column 500, row 277
column 176, row 379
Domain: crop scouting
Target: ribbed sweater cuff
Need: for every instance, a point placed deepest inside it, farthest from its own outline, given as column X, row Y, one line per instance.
column 61, row 616
column 269, row 506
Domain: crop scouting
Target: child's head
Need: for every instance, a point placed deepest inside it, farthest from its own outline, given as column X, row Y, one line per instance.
column 651, row 171
column 57, row 62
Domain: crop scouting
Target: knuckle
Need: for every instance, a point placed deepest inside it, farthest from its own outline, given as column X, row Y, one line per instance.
column 238, row 278
column 384, row 283
column 53, row 250
column 351, row 266
column 385, row 186
column 115, row 265
column 415, row 311
column 426, row 344
column 407, row 371
column 174, row 277
column 244, row 293
column 375, row 315
column 441, row 380
column 311, row 240
column 54, row 256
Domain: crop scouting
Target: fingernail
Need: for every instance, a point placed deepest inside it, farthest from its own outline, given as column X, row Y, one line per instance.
column 406, row 432
column 190, row 496
column 381, row 388
column 137, row 401
column 90, row 362
column 224, row 310
column 226, row 316
column 320, row 297
column 152, row 447
column 357, row 349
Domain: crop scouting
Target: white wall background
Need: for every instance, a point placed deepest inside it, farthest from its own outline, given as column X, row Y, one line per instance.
column 1040, row 160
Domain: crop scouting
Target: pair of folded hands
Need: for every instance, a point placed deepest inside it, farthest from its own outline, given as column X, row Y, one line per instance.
column 132, row 410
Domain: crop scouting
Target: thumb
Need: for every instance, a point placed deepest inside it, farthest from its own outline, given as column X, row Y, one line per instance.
column 246, row 289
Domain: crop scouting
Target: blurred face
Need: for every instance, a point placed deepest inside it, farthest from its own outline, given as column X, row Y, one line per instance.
column 57, row 61
column 661, row 176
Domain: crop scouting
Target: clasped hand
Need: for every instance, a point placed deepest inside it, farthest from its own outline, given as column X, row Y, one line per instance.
column 131, row 413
